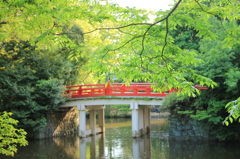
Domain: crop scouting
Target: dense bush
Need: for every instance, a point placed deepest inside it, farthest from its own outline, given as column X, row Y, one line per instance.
column 31, row 82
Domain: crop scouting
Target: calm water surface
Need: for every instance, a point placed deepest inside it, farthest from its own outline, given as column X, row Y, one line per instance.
column 117, row 143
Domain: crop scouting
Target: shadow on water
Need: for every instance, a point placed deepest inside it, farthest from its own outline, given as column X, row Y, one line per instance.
column 118, row 143
column 65, row 147
column 206, row 150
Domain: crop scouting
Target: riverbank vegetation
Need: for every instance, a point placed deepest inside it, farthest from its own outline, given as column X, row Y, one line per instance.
column 222, row 66
column 45, row 45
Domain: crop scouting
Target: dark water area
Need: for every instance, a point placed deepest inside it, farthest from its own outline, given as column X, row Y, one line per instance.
column 117, row 143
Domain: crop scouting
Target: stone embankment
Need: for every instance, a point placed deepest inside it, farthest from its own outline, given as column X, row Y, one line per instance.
column 63, row 122
column 187, row 129
column 184, row 129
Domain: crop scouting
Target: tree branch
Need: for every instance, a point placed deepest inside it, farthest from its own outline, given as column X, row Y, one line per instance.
column 136, row 24
column 125, row 26
column 165, row 39
column 145, row 33
column 3, row 23
column 126, row 43
column 166, row 18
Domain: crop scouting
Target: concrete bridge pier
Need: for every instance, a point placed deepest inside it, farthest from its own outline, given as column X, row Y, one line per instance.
column 140, row 119
column 83, row 132
column 140, row 114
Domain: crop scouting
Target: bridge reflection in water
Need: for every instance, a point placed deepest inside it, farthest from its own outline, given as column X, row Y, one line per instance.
column 141, row 147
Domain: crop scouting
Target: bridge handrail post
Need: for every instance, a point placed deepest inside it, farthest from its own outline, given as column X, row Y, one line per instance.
column 148, row 89
column 80, row 91
column 107, row 88
column 123, row 89
column 135, row 89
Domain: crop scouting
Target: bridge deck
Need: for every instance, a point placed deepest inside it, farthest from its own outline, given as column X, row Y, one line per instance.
column 112, row 101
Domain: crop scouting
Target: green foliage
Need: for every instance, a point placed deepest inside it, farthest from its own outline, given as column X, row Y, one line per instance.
column 130, row 47
column 233, row 108
column 185, row 38
column 221, row 64
column 162, row 52
column 31, row 83
column 10, row 136
column 49, row 93
column 178, row 105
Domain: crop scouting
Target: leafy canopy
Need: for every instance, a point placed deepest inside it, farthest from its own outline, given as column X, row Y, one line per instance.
column 156, row 52
column 147, row 52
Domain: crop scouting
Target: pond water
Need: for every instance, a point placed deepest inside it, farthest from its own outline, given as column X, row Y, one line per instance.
column 117, row 143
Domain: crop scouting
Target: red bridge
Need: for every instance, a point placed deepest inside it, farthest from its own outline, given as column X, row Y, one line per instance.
column 118, row 89
column 140, row 108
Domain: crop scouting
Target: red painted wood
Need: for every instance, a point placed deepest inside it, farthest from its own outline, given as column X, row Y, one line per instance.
column 117, row 89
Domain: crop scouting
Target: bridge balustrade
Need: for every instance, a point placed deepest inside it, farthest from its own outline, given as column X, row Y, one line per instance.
column 118, row 89
column 115, row 89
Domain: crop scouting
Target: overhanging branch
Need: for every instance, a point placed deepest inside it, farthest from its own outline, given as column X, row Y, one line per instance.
column 138, row 24
column 157, row 22
column 114, row 28
column 150, row 25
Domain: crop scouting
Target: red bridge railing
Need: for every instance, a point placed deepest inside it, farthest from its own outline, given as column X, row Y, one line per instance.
column 117, row 89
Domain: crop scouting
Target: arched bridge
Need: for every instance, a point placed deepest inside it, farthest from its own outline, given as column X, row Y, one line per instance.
column 95, row 96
